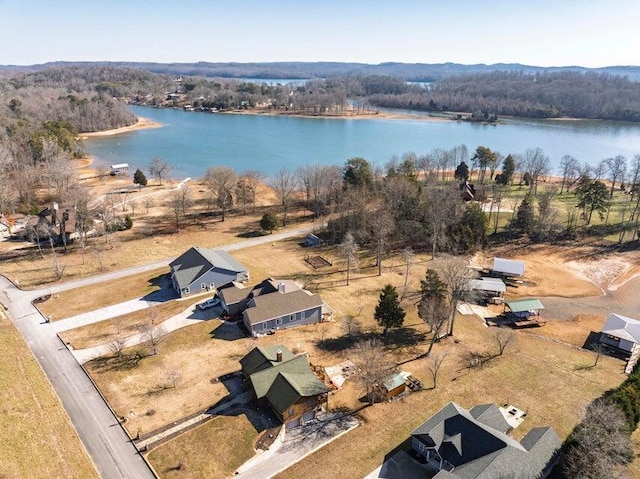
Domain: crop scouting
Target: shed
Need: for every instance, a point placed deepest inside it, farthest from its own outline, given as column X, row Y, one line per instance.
column 393, row 385
column 508, row 267
column 312, row 240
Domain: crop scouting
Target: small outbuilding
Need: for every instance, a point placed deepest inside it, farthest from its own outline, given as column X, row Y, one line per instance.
column 622, row 334
column 490, row 289
column 508, row 268
column 524, row 313
column 120, row 169
column 312, row 240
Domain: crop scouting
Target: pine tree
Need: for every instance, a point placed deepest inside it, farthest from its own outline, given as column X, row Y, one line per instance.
column 139, row 178
column 388, row 312
column 525, row 217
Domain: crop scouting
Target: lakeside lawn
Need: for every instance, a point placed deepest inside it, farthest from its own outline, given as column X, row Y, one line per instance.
column 37, row 439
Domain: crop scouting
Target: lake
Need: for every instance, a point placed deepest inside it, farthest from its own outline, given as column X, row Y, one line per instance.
column 193, row 141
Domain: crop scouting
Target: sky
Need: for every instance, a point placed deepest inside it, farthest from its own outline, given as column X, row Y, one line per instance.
column 589, row 33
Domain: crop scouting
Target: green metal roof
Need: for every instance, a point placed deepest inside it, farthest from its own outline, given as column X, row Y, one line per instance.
column 287, row 388
column 263, row 357
column 263, row 380
column 393, row 381
column 524, row 305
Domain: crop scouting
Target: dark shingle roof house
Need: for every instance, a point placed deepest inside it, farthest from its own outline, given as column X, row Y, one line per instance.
column 201, row 269
column 286, row 382
column 473, row 444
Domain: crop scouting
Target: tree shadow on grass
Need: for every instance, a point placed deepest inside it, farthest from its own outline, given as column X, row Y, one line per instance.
column 122, row 362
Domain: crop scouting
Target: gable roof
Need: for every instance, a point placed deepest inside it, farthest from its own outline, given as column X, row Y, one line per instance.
column 477, row 450
column 195, row 262
column 490, row 415
column 522, row 305
column 277, row 305
column 263, row 357
column 622, row 327
column 287, row 388
column 263, row 380
column 495, row 285
column 508, row 266
column 237, row 294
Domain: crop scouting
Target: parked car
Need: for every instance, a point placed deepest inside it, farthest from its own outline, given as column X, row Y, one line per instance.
column 209, row 303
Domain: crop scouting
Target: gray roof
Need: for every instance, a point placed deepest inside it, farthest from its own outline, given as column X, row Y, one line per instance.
column 195, row 262
column 235, row 294
column 488, row 284
column 478, row 451
column 490, row 415
column 510, row 267
column 277, row 305
column 622, row 327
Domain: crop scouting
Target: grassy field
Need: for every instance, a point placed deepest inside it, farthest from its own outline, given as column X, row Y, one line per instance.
column 213, row 450
column 69, row 303
column 37, row 439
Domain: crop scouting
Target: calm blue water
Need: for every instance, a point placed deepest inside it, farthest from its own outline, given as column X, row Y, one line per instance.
column 192, row 141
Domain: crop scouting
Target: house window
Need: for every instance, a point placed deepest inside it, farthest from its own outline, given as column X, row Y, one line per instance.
column 291, row 412
column 299, row 315
column 278, row 321
column 422, row 447
column 265, row 325
column 292, row 317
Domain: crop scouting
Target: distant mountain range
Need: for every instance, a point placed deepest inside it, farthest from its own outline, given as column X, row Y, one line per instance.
column 291, row 70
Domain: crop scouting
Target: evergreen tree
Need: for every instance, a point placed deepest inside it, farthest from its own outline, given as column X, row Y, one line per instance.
column 508, row 170
column 139, row 178
column 269, row 222
column 389, row 313
column 525, row 216
column 462, row 172
column 592, row 196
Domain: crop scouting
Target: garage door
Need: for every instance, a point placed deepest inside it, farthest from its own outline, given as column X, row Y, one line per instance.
column 293, row 423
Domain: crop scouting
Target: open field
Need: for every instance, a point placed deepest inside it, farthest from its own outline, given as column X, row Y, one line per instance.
column 213, row 450
column 37, row 440
column 69, row 303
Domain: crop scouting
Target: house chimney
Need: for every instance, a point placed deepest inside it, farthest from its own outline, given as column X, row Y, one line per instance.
column 281, row 288
column 279, row 355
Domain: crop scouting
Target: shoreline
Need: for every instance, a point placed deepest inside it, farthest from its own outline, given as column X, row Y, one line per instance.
column 141, row 124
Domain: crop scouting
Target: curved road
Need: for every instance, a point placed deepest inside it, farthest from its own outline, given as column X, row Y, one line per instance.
column 108, row 445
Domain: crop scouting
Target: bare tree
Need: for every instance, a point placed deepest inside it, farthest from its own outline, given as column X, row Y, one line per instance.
column 179, row 203
column 600, row 446
column 348, row 248
column 173, row 377
column 351, row 326
column 434, row 364
column 221, row 181
column 441, row 202
column 148, row 203
column 617, row 168
column 408, row 257
column 372, row 364
column 433, row 311
column 503, row 338
column 153, row 335
column 284, row 185
column 381, row 227
column 569, row 167
column 58, row 269
column 117, row 345
column 537, row 164
column 455, row 273
column 159, row 168
column 252, row 179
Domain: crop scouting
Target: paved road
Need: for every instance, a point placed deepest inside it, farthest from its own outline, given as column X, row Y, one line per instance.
column 105, row 440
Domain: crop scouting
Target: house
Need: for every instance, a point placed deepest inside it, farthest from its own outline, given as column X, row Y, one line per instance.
column 472, row 444
column 508, row 268
column 622, row 335
column 200, row 269
column 287, row 307
column 235, row 299
column 286, row 383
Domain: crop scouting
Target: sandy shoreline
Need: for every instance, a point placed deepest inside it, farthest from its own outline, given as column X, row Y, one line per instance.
column 141, row 124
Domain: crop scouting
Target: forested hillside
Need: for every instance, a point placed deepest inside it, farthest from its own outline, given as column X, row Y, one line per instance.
column 543, row 95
